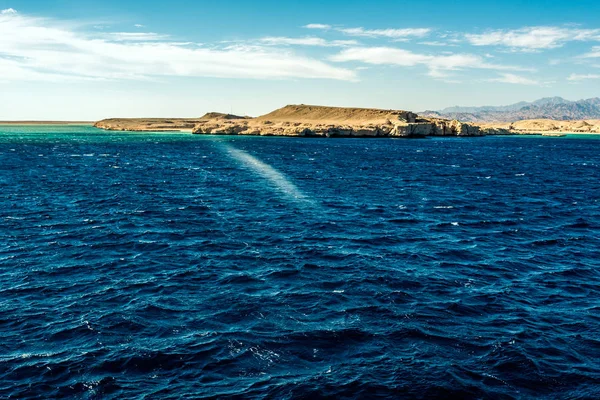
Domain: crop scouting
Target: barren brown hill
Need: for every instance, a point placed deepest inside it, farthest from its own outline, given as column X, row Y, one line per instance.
column 217, row 115
column 160, row 124
column 343, row 115
column 309, row 120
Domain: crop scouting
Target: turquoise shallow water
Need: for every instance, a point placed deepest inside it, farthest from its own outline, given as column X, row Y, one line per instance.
column 169, row 265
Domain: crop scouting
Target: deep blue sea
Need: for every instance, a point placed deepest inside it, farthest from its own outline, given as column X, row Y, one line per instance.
column 168, row 266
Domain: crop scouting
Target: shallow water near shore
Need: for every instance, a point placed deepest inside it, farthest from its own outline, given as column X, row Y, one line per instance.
column 140, row 265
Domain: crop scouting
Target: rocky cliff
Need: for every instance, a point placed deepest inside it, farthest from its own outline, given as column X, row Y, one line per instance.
column 546, row 125
column 306, row 120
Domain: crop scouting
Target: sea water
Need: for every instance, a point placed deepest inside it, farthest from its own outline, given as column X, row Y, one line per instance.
column 168, row 265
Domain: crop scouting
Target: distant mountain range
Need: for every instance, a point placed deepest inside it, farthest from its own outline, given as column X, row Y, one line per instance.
column 555, row 108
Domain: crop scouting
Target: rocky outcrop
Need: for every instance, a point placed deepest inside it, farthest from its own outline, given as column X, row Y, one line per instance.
column 319, row 121
column 147, row 124
column 161, row 124
column 539, row 126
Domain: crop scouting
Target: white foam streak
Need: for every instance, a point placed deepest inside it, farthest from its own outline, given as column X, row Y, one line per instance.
column 276, row 178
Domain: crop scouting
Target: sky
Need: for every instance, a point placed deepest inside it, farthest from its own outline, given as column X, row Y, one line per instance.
column 88, row 60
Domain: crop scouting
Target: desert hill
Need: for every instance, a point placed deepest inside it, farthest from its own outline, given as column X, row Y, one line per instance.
column 161, row 124
column 217, row 115
column 148, row 124
column 306, row 120
column 310, row 120
column 347, row 115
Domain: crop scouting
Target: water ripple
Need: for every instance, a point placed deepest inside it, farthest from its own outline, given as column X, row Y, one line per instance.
column 169, row 266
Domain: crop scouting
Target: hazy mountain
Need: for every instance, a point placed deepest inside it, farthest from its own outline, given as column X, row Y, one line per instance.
column 548, row 108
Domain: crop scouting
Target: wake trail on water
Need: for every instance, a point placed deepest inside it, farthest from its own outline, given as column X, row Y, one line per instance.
column 276, row 178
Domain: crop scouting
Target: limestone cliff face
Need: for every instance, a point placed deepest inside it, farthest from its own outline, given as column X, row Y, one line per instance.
column 306, row 120
column 303, row 120
column 547, row 125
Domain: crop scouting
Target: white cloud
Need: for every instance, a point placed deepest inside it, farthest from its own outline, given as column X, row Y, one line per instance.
column 136, row 37
column 533, row 38
column 387, row 33
column 515, row 79
column 307, row 41
column 435, row 43
column 595, row 53
column 139, row 25
column 51, row 50
column 582, row 77
column 317, row 26
column 8, row 11
column 438, row 65
column 13, row 70
column 376, row 33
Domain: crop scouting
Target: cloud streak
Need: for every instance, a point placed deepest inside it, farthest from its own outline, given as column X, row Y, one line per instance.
column 582, row 77
column 515, row 80
column 533, row 38
column 375, row 33
column 438, row 65
column 51, row 50
column 306, row 41
column 595, row 53
column 317, row 26
column 136, row 37
column 386, row 33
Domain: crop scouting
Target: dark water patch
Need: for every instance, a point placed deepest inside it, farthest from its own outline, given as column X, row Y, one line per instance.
column 155, row 266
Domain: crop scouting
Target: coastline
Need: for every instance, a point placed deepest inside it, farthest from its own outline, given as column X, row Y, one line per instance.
column 345, row 122
column 308, row 121
column 322, row 121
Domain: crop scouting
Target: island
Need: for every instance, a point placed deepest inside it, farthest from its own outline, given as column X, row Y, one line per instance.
column 309, row 121
column 322, row 121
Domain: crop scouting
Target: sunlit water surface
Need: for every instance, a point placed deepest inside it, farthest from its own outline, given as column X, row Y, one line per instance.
column 172, row 265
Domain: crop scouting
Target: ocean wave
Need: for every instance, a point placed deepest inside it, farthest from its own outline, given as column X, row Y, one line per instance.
column 204, row 273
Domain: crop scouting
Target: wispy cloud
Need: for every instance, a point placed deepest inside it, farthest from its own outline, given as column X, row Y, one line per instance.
column 52, row 50
column 136, row 36
column 386, row 33
column 594, row 53
column 582, row 77
column 317, row 26
column 438, row 65
column 436, row 43
column 8, row 11
column 515, row 79
column 375, row 33
column 306, row 41
column 533, row 38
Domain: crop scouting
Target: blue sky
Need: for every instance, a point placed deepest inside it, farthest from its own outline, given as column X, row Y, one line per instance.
column 94, row 59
